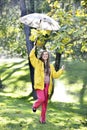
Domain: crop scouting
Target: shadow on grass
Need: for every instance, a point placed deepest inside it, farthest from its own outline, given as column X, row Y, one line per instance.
column 15, row 75
column 76, row 72
column 15, row 67
column 68, row 116
column 16, row 114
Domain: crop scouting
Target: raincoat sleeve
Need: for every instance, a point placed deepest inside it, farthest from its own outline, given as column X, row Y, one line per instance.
column 33, row 58
column 56, row 74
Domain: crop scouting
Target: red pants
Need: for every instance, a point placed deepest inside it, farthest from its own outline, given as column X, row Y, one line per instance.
column 42, row 101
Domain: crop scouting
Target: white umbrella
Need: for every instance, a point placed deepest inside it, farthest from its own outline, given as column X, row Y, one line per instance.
column 40, row 21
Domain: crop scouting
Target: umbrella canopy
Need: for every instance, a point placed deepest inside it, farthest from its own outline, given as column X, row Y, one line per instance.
column 40, row 21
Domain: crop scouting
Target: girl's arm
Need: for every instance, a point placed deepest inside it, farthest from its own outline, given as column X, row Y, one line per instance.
column 57, row 74
column 33, row 58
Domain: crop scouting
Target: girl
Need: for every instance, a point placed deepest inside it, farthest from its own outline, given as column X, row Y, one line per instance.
column 44, row 72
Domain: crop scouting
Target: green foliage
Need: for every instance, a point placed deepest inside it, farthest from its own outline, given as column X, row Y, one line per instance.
column 44, row 7
column 41, row 35
column 11, row 35
column 72, row 34
column 84, row 3
column 71, row 39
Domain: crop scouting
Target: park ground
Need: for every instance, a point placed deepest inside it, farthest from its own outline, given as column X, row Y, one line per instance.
column 67, row 109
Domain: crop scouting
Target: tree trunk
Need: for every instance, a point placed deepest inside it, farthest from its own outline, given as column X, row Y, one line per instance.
column 1, row 83
column 77, row 3
column 57, row 66
column 57, row 61
column 29, row 44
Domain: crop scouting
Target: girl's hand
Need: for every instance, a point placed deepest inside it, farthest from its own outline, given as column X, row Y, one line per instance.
column 63, row 67
column 35, row 43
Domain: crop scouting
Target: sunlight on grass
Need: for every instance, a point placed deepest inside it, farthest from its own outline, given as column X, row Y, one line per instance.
column 18, row 92
column 17, row 73
column 16, row 114
column 2, row 104
column 60, row 93
column 66, row 111
column 16, row 79
column 68, row 88
column 10, row 60
column 6, row 120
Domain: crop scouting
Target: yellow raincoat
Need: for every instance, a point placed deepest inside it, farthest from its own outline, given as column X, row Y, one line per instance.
column 39, row 72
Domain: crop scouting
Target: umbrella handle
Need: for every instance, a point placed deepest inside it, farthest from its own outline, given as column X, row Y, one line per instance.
column 35, row 41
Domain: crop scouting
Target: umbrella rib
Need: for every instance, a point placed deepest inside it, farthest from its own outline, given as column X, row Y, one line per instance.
column 31, row 22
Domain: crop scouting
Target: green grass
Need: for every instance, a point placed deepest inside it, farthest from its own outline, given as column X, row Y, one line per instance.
column 15, row 77
column 16, row 112
column 75, row 80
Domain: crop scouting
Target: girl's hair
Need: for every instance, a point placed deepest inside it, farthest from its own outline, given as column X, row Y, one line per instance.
column 47, row 65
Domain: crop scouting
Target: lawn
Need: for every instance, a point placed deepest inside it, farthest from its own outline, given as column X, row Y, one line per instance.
column 16, row 112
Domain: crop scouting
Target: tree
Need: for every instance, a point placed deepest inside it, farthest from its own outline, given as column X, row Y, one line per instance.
column 27, row 30
column 29, row 44
column 9, row 30
column 71, row 38
column 77, row 3
column 1, row 83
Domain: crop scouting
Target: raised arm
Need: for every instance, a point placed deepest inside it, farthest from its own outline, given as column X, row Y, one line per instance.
column 57, row 74
column 33, row 58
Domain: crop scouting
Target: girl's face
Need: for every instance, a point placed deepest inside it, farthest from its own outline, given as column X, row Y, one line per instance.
column 45, row 56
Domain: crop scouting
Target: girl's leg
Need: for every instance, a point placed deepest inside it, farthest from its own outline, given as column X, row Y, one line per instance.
column 40, row 100
column 44, row 105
